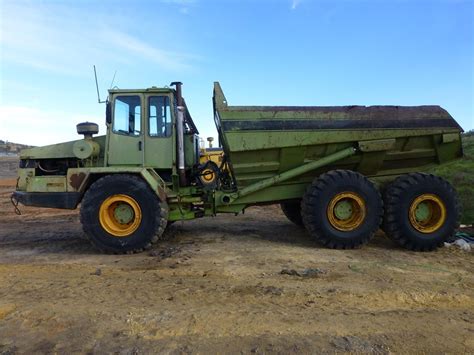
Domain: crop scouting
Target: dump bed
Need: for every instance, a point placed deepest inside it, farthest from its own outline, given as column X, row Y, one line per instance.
column 261, row 141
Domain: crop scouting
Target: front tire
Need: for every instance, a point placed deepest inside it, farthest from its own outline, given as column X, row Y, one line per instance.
column 121, row 214
column 342, row 209
column 422, row 211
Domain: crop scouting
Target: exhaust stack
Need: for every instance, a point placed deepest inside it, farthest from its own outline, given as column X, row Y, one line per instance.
column 180, row 132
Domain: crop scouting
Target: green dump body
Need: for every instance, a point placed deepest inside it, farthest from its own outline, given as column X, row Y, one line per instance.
column 264, row 141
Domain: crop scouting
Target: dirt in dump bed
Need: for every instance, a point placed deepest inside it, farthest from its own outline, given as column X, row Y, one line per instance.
column 253, row 283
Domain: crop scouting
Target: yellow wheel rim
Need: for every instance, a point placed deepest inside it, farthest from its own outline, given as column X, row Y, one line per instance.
column 427, row 213
column 346, row 211
column 120, row 215
column 208, row 176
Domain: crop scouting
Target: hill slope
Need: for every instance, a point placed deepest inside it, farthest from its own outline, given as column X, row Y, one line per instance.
column 10, row 148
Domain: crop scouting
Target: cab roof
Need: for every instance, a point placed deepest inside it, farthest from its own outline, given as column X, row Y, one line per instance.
column 152, row 89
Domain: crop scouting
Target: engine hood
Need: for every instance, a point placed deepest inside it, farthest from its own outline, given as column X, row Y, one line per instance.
column 57, row 151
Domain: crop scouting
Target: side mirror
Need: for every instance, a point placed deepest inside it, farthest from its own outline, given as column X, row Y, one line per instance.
column 108, row 113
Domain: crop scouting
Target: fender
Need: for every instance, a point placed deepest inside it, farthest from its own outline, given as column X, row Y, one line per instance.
column 79, row 179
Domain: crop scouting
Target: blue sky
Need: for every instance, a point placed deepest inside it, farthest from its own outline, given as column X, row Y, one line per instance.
column 280, row 52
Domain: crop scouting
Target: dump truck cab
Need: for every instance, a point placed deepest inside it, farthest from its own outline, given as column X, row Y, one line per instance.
column 139, row 124
column 141, row 130
column 143, row 137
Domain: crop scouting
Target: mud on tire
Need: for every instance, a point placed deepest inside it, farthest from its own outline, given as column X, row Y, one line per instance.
column 148, row 217
column 421, row 211
column 342, row 209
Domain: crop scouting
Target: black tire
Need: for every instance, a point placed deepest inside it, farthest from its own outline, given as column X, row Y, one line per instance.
column 402, row 194
column 148, row 229
column 321, row 221
column 292, row 211
column 208, row 175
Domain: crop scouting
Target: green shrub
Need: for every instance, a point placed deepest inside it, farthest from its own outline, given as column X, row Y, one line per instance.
column 461, row 175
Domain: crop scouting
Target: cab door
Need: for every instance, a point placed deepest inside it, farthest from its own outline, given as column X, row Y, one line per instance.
column 126, row 146
column 159, row 150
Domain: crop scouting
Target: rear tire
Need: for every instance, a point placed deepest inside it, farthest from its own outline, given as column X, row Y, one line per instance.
column 342, row 209
column 292, row 211
column 121, row 214
column 422, row 211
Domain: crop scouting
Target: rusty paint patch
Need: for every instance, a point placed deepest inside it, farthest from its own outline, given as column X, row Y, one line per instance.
column 75, row 181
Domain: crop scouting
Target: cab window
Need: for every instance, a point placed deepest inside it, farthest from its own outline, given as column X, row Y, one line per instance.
column 127, row 113
column 159, row 116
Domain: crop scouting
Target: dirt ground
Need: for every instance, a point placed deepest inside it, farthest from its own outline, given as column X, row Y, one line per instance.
column 252, row 283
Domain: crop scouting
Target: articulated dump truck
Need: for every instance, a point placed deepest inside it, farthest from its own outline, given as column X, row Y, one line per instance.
column 340, row 172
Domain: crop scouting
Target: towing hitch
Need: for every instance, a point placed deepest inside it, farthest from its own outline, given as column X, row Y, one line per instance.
column 15, row 202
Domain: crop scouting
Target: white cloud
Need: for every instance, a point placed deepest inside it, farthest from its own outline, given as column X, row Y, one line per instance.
column 62, row 40
column 180, row 2
column 294, row 4
column 32, row 126
column 184, row 5
column 169, row 60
